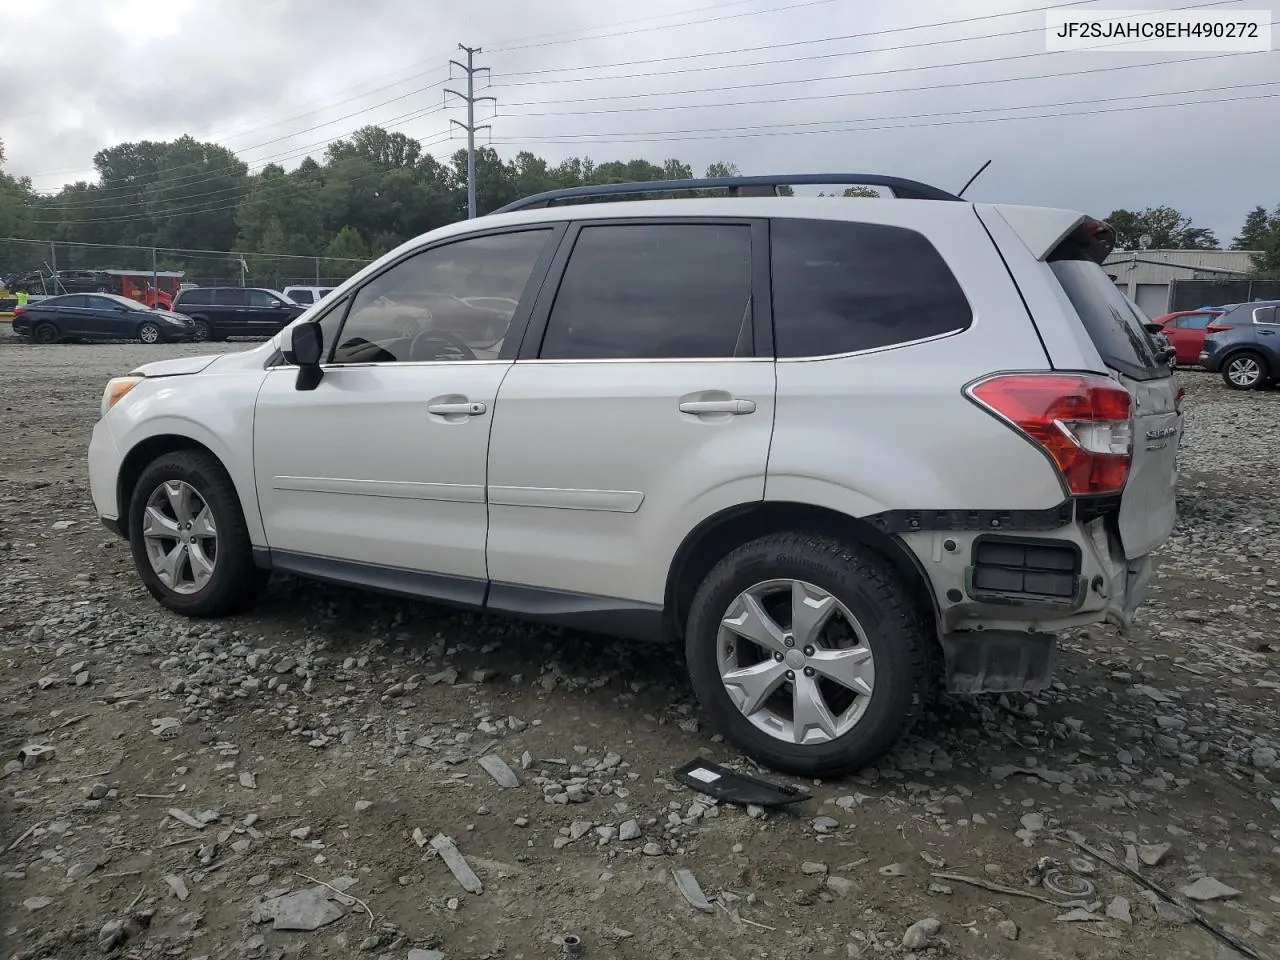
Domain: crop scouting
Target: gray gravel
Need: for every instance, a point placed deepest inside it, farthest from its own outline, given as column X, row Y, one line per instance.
column 202, row 777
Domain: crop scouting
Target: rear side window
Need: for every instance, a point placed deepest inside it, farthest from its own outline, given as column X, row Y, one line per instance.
column 301, row 296
column 654, row 291
column 841, row 287
column 195, row 297
column 1113, row 321
column 1264, row 315
column 231, row 297
column 1194, row 321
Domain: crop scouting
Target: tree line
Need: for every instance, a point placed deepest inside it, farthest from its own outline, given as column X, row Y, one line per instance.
column 370, row 192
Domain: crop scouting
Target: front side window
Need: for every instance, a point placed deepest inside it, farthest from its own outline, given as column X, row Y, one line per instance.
column 654, row 292
column 841, row 286
column 263, row 298
column 452, row 302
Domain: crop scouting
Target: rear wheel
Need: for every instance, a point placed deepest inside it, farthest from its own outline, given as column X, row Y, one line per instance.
column 149, row 333
column 807, row 654
column 200, row 332
column 1246, row 370
column 188, row 537
column 45, row 333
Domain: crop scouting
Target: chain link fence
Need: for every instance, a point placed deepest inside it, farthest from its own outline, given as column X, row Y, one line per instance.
column 40, row 268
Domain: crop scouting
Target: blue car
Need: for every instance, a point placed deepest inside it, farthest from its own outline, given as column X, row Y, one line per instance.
column 99, row 316
column 1244, row 345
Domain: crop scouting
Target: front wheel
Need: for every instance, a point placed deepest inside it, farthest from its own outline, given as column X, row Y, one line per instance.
column 1245, row 371
column 149, row 333
column 807, row 654
column 200, row 331
column 188, row 537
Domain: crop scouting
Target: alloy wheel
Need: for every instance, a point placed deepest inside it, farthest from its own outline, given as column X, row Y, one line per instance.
column 1244, row 371
column 795, row 662
column 180, row 536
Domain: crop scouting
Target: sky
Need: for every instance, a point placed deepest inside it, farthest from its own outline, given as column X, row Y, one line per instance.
column 925, row 89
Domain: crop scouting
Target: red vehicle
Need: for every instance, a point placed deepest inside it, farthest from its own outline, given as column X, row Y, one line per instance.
column 1185, row 330
column 154, row 289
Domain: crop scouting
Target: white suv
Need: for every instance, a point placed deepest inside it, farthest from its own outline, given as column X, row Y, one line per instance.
column 842, row 449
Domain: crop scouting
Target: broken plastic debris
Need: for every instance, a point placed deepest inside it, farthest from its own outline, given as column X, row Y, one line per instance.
column 687, row 884
column 730, row 787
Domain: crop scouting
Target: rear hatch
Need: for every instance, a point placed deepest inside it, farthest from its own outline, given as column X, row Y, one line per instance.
column 1115, row 324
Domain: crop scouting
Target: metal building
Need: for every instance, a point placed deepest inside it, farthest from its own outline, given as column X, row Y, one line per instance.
column 1146, row 275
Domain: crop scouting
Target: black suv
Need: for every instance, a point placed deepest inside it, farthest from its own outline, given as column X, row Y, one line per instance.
column 221, row 312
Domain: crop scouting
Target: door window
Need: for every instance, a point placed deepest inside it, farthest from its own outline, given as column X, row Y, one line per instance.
column 840, row 287
column 653, row 292
column 452, row 302
column 231, row 297
column 1194, row 321
column 74, row 300
column 301, row 296
column 263, row 298
column 191, row 298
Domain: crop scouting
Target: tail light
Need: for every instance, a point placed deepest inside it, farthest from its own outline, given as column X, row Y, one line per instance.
column 1216, row 328
column 19, row 311
column 1082, row 421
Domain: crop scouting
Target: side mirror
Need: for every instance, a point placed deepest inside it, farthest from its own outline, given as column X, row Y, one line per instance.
column 304, row 346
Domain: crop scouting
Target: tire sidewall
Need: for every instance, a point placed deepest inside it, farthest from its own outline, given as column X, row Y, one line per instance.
column 142, row 333
column 201, row 324
column 51, row 338
column 233, row 546
column 860, row 587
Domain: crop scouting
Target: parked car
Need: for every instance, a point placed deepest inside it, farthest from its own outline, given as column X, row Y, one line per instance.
column 98, row 316
column 1185, row 331
column 222, row 312
column 1244, row 345
column 769, row 427
column 307, row 295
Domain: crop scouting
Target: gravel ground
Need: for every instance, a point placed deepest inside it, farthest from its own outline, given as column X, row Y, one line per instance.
column 201, row 775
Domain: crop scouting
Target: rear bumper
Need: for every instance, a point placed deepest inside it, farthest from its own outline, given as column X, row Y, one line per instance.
column 1037, row 582
column 1208, row 361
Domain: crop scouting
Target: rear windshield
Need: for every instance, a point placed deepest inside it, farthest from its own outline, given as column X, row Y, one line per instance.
column 1114, row 322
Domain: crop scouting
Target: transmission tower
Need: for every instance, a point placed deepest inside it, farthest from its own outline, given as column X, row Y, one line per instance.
column 470, row 99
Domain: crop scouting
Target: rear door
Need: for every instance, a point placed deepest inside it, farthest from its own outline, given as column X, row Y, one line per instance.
column 229, row 315
column 267, row 313
column 1148, row 507
column 73, row 315
column 1187, row 335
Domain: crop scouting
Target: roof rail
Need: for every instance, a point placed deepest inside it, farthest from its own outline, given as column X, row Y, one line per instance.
column 738, row 186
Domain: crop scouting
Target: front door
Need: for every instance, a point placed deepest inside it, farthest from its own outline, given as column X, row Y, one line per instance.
column 642, row 403
column 267, row 313
column 378, row 474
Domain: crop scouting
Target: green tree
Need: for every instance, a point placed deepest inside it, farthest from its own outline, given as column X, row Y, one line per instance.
column 1257, row 230
column 1168, row 229
column 348, row 245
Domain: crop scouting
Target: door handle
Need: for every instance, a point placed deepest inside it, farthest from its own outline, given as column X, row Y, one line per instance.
column 701, row 407
column 464, row 408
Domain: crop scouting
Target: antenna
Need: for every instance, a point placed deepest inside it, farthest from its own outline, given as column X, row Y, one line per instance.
column 969, row 182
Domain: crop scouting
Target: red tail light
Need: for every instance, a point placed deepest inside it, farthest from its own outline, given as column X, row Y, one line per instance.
column 18, row 311
column 1216, row 328
column 1082, row 421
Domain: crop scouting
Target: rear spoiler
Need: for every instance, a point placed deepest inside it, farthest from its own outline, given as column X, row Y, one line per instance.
column 1052, row 234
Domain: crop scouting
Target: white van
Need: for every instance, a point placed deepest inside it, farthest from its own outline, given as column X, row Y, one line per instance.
column 307, row 295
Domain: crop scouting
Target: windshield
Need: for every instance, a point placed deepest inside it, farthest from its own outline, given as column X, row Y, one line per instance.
column 1113, row 321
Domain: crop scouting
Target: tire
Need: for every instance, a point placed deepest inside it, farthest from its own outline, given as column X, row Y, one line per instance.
column 45, row 333
column 1246, row 370
column 201, row 331
column 149, row 333
column 235, row 582
column 860, row 583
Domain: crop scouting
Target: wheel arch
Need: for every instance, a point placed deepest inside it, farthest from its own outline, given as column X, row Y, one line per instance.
column 146, row 452
column 723, row 532
column 1268, row 367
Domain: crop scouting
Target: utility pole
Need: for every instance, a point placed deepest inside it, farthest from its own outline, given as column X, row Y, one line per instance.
column 470, row 126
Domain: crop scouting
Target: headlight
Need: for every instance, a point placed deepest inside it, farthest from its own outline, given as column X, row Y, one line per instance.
column 116, row 389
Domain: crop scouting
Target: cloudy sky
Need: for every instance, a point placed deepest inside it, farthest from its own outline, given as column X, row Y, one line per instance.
column 928, row 89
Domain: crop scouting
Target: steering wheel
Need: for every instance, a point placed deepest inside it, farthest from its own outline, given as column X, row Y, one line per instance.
column 440, row 344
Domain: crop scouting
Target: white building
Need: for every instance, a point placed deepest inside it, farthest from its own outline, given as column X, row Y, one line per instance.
column 1146, row 275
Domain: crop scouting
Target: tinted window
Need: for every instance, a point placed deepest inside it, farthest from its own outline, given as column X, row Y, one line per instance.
column 1196, row 321
column 71, row 300
column 195, row 297
column 654, row 291
column 453, row 302
column 263, row 298
column 109, row 303
column 231, row 297
column 301, row 296
column 1113, row 321
column 1264, row 315
column 839, row 287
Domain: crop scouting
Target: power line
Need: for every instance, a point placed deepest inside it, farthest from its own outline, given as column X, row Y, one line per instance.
column 865, row 93
column 470, row 99
column 658, row 136
column 190, row 250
